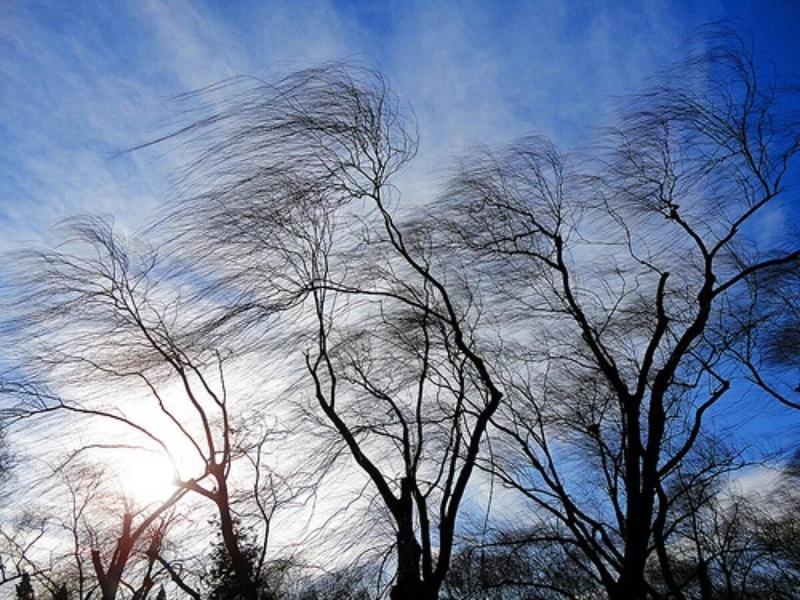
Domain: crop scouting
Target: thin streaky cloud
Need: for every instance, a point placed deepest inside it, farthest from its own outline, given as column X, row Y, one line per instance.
column 81, row 81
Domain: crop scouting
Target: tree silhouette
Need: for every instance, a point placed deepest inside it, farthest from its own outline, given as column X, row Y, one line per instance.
column 560, row 323
column 631, row 272
column 303, row 229
column 98, row 311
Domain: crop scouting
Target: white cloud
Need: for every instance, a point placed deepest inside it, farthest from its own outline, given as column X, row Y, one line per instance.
column 83, row 80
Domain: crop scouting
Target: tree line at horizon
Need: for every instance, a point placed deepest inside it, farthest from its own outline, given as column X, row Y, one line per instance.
column 515, row 388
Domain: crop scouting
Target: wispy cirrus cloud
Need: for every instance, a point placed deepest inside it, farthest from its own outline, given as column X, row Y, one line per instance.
column 81, row 81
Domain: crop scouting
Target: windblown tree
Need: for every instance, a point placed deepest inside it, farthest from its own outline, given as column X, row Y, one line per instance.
column 15, row 545
column 110, row 346
column 291, row 214
column 516, row 562
column 80, row 538
column 620, row 283
column 744, row 546
column 602, row 294
column 735, row 540
column 587, row 311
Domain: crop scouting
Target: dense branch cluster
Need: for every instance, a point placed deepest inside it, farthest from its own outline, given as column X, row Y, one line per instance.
column 554, row 328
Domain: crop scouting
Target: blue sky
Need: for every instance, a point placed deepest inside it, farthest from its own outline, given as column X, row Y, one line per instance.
column 82, row 80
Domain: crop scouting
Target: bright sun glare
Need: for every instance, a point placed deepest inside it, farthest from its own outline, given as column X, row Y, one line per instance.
column 146, row 477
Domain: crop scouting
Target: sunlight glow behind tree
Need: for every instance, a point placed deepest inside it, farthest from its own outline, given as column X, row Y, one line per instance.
column 562, row 324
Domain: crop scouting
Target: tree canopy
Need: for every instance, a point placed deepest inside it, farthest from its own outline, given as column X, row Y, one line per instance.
column 463, row 395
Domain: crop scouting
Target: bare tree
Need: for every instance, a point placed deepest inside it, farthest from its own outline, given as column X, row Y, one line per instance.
column 16, row 541
column 91, row 554
column 95, row 314
column 290, row 214
column 621, row 295
column 584, row 312
column 530, row 563
column 740, row 543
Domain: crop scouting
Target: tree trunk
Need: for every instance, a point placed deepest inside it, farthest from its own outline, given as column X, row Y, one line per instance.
column 109, row 578
column 409, row 585
column 242, row 567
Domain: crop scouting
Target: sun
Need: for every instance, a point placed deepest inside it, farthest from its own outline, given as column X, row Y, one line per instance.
column 147, row 477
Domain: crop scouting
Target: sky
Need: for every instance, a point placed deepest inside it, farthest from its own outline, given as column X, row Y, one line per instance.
column 83, row 81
